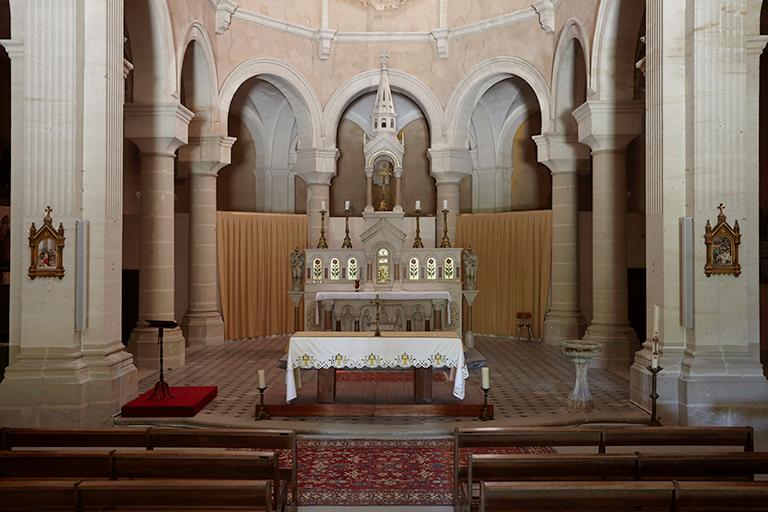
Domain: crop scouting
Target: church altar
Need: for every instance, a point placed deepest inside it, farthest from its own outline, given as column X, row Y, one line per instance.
column 340, row 300
column 322, row 351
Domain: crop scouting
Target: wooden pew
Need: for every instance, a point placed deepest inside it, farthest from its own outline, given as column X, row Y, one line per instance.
column 37, row 495
column 722, row 496
column 185, row 495
column 69, row 464
column 731, row 437
column 575, row 496
column 12, row 438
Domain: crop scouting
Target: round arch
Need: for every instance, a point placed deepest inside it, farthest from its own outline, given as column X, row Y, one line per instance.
column 612, row 69
column 481, row 78
column 367, row 81
column 154, row 55
column 290, row 82
column 573, row 32
column 208, row 82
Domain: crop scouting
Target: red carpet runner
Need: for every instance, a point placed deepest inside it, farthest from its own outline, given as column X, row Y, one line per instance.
column 363, row 472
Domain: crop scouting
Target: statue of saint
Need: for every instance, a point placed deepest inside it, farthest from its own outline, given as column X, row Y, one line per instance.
column 297, row 269
column 469, row 260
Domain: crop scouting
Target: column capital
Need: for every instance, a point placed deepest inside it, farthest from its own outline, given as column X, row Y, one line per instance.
column 316, row 166
column 755, row 45
column 561, row 153
column 207, row 155
column 609, row 125
column 159, row 128
column 450, row 165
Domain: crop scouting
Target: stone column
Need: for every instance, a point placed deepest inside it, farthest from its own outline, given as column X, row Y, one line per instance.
column 317, row 167
column 67, row 154
column 448, row 166
column 563, row 155
column 204, row 157
column 398, row 190
column 158, row 131
column 607, row 127
column 368, row 189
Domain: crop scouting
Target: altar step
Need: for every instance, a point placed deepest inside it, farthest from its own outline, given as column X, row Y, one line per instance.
column 376, row 410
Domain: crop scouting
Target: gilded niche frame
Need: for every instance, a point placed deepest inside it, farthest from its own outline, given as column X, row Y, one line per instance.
column 46, row 249
column 722, row 243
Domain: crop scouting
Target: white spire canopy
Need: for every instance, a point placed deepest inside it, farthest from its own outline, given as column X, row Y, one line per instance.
column 384, row 117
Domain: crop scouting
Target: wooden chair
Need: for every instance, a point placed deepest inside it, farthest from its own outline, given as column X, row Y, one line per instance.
column 38, row 495
column 185, row 495
column 524, row 320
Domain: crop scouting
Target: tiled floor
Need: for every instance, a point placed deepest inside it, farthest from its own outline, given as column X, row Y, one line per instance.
column 530, row 384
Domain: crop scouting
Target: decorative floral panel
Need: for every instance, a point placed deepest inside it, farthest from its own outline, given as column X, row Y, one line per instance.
column 432, row 268
column 413, row 269
column 352, row 269
column 317, row 269
column 449, row 270
column 335, row 269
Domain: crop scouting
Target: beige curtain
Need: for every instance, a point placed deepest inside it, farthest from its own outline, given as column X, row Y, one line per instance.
column 514, row 252
column 254, row 271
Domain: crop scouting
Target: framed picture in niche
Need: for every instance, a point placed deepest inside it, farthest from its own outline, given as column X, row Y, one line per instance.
column 722, row 247
column 46, row 247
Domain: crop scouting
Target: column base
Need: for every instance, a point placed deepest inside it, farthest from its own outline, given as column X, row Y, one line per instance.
column 563, row 325
column 666, row 384
column 619, row 344
column 203, row 330
column 61, row 387
column 143, row 346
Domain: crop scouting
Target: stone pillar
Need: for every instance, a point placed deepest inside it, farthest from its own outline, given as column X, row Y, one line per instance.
column 398, row 190
column 448, row 166
column 721, row 378
column 317, row 167
column 158, row 131
column 67, row 154
column 368, row 190
column 204, row 157
column 607, row 127
column 563, row 155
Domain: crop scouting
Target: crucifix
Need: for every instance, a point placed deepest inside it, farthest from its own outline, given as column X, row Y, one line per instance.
column 377, row 303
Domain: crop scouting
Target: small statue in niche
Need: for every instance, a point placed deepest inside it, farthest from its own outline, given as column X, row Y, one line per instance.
column 298, row 261
column 469, row 261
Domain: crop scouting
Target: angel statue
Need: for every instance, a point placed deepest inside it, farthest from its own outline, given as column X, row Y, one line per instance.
column 297, row 269
column 469, row 260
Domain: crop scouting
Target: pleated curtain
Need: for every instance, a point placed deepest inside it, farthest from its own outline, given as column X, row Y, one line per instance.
column 255, row 272
column 514, row 252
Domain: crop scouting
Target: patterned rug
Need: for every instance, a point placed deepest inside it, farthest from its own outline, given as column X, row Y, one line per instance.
column 378, row 472
column 383, row 376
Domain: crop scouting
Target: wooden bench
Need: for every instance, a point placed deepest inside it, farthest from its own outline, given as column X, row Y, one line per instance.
column 731, row 437
column 620, row 496
column 158, row 438
column 185, row 495
column 37, row 495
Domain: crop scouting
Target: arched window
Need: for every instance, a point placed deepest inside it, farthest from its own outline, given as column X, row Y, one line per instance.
column 335, row 269
column 432, row 268
column 317, row 269
column 352, row 269
column 449, row 270
column 382, row 265
column 413, row 269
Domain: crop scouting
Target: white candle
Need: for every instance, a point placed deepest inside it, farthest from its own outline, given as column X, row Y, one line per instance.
column 322, row 205
column 262, row 379
column 445, row 204
column 486, row 378
column 346, row 205
column 418, row 204
column 655, row 320
column 654, row 360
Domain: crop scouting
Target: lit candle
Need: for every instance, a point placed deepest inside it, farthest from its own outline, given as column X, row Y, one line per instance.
column 655, row 320
column 418, row 204
column 346, row 205
column 486, row 378
column 654, row 360
column 322, row 205
column 445, row 204
column 262, row 379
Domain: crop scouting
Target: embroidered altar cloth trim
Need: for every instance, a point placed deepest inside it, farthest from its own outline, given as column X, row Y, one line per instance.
column 402, row 295
column 361, row 352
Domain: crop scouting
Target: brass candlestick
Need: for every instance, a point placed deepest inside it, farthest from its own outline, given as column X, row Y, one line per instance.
column 347, row 244
column 417, row 243
column 446, row 242
column 485, row 412
column 261, row 413
column 322, row 243
column 377, row 303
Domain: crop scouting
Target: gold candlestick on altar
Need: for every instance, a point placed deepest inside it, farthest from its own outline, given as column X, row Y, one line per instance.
column 347, row 244
column 446, row 243
column 417, row 243
column 377, row 318
column 322, row 243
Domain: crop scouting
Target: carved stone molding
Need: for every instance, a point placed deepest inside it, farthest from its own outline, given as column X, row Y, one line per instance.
column 224, row 11
column 383, row 5
column 546, row 11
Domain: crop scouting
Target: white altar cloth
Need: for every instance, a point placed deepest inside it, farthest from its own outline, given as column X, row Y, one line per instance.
column 320, row 351
column 401, row 295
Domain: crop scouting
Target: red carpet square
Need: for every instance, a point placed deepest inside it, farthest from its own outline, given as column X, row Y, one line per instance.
column 186, row 402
